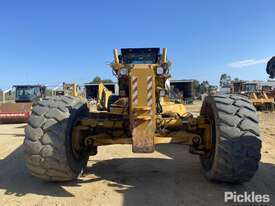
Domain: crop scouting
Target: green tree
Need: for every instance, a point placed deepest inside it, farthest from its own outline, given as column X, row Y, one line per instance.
column 225, row 80
column 236, row 79
column 107, row 81
column 98, row 80
column 212, row 89
column 204, row 87
column 196, row 86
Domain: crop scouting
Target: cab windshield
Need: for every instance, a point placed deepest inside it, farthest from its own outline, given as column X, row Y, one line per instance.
column 27, row 93
column 139, row 56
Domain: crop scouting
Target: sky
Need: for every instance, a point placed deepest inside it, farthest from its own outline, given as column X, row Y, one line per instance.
column 55, row 41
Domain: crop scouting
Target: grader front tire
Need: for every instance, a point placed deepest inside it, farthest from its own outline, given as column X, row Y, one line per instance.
column 48, row 148
column 236, row 139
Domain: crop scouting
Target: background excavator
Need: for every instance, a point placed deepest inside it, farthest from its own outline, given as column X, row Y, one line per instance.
column 104, row 96
column 20, row 110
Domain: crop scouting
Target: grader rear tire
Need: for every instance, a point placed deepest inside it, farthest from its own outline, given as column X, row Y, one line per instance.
column 236, row 140
column 48, row 147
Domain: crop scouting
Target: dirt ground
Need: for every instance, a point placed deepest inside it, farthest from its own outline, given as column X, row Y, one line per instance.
column 170, row 176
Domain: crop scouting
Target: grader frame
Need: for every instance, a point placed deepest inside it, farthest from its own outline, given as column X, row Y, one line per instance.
column 143, row 115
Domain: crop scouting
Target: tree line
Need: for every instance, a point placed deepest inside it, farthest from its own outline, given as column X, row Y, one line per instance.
column 226, row 80
column 203, row 87
column 97, row 80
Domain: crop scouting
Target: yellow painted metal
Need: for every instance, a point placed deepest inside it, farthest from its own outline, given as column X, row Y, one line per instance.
column 261, row 99
column 70, row 89
column 103, row 123
column 142, row 107
column 142, row 117
column 77, row 137
column 168, row 106
column 100, row 142
column 120, row 106
column 207, row 135
column 181, row 137
column 103, row 96
column 170, row 123
column 118, row 134
column 175, row 108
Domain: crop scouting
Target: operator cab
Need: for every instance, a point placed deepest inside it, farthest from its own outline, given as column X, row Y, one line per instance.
column 29, row 93
column 139, row 56
column 128, row 58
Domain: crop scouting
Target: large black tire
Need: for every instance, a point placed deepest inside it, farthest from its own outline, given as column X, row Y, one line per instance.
column 236, row 139
column 48, row 149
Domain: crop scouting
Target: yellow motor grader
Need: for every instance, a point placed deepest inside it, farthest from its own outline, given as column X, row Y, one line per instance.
column 62, row 133
column 69, row 89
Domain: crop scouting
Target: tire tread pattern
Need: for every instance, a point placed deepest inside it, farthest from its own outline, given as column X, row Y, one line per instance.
column 44, row 144
column 239, row 149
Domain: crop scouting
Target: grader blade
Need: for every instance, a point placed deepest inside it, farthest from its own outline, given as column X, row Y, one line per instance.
column 142, row 109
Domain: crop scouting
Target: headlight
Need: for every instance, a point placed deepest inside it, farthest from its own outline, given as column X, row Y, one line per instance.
column 160, row 70
column 123, row 71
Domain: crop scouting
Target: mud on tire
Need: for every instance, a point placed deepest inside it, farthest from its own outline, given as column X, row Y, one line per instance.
column 236, row 137
column 47, row 145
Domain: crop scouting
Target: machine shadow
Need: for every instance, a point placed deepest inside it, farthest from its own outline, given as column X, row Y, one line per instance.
column 16, row 180
column 13, row 134
column 21, row 126
column 175, row 181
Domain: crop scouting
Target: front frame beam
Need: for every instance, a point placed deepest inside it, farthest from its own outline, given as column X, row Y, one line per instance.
column 112, row 131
